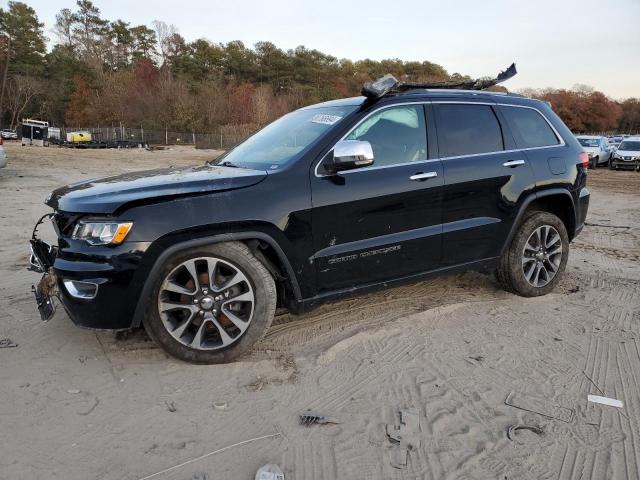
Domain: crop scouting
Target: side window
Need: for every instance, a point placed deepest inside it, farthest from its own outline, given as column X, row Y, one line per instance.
column 468, row 129
column 529, row 127
column 397, row 134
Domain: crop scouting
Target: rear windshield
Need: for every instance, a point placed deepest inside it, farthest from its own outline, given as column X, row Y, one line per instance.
column 630, row 145
column 286, row 138
column 589, row 142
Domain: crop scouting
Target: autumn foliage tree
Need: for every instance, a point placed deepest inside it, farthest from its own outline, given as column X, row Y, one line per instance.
column 582, row 108
column 103, row 72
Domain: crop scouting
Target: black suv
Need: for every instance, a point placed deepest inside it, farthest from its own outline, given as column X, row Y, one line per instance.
column 331, row 200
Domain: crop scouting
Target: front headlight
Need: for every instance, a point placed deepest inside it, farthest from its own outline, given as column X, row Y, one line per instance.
column 102, row 233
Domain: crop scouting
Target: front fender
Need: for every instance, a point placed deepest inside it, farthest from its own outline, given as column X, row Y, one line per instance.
column 158, row 260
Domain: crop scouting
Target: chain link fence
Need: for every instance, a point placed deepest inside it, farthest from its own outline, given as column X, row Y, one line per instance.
column 121, row 135
column 223, row 137
column 226, row 137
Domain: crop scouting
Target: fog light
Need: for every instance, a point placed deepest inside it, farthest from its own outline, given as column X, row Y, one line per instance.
column 84, row 290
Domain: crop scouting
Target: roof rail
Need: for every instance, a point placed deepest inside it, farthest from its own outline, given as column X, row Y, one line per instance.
column 389, row 84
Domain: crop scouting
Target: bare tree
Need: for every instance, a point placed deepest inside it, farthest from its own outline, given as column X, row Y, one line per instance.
column 21, row 92
column 63, row 28
column 164, row 33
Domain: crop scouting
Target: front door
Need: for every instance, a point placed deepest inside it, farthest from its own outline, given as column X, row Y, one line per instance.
column 380, row 222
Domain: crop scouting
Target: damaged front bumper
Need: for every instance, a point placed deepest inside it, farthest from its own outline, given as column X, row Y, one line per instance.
column 98, row 286
column 41, row 261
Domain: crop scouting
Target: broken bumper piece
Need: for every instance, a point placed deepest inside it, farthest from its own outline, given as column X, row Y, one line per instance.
column 41, row 261
column 44, row 293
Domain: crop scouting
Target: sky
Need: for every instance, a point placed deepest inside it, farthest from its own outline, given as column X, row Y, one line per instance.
column 555, row 43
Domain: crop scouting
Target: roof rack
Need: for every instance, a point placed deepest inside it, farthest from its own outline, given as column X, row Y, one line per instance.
column 389, row 84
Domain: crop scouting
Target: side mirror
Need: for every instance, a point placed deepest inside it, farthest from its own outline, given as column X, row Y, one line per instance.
column 350, row 154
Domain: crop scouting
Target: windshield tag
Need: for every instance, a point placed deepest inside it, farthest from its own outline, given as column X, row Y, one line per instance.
column 325, row 119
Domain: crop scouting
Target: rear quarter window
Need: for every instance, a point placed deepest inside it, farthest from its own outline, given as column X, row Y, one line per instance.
column 529, row 127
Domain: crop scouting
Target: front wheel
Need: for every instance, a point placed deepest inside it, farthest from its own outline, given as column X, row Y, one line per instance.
column 537, row 256
column 211, row 304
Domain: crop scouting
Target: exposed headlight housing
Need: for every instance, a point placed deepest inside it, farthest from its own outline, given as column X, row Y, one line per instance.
column 101, row 233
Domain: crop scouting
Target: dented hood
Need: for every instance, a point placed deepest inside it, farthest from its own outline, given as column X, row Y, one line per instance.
column 106, row 195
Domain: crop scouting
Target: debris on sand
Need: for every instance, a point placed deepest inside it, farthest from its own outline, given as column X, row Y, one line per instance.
column 271, row 471
column 171, row 406
column 513, row 429
column 7, row 343
column 539, row 405
column 405, row 435
column 220, row 405
column 314, row 418
column 215, row 452
column 612, row 402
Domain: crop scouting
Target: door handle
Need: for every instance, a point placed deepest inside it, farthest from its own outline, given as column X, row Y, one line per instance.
column 513, row 163
column 423, row 176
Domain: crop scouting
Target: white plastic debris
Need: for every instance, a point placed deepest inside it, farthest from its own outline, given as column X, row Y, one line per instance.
column 612, row 402
column 270, row 471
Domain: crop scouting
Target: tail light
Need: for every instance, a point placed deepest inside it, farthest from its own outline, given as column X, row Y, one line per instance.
column 1, row 141
column 583, row 159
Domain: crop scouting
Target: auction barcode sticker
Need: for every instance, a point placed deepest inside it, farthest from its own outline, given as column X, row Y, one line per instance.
column 325, row 119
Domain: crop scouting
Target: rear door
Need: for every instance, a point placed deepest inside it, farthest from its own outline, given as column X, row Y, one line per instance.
column 485, row 176
column 380, row 222
column 539, row 141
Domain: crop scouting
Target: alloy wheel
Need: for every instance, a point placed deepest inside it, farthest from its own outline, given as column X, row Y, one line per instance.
column 542, row 256
column 206, row 303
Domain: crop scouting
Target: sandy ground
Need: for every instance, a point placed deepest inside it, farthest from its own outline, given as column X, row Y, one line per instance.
column 75, row 404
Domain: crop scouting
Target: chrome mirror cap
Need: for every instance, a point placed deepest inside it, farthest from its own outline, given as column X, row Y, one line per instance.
column 349, row 154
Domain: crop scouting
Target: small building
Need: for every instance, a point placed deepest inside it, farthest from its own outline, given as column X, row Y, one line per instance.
column 35, row 132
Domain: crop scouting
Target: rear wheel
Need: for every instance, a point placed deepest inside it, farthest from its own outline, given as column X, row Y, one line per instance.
column 211, row 304
column 533, row 263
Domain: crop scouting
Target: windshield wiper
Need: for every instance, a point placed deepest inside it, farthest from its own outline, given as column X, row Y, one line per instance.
column 227, row 163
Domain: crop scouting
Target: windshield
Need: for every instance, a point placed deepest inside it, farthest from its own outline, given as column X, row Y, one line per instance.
column 631, row 146
column 589, row 142
column 282, row 140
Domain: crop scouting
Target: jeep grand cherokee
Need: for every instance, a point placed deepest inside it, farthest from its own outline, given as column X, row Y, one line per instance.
column 333, row 199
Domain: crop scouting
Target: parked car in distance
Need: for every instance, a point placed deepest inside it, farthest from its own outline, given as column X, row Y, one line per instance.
column 8, row 134
column 597, row 147
column 328, row 201
column 3, row 155
column 627, row 155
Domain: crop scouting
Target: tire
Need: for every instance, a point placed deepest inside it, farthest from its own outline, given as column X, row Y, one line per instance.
column 186, row 317
column 513, row 268
column 595, row 163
